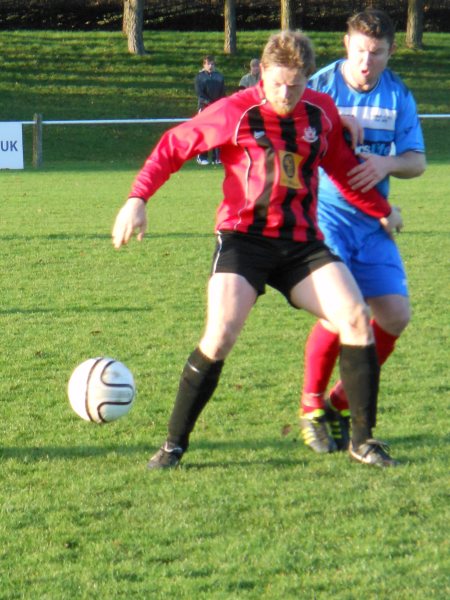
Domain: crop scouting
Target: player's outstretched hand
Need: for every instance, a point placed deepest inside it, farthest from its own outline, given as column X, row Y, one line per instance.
column 130, row 219
column 393, row 222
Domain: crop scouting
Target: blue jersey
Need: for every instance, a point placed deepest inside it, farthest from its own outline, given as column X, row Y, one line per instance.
column 388, row 114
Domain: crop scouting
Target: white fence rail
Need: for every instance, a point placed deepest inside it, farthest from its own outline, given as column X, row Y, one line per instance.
column 38, row 124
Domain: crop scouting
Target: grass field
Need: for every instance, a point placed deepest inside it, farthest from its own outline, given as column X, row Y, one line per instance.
column 252, row 514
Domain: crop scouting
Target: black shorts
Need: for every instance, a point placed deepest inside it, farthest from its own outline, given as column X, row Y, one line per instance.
column 278, row 263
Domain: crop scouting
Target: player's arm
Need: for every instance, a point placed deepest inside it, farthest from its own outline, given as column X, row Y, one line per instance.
column 336, row 163
column 339, row 160
column 166, row 158
column 208, row 129
column 172, row 150
column 375, row 168
column 370, row 202
column 410, row 159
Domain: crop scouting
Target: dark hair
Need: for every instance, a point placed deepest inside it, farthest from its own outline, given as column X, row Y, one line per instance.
column 209, row 58
column 373, row 23
column 290, row 49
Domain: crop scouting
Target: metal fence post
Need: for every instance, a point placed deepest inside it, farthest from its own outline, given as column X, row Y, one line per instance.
column 37, row 141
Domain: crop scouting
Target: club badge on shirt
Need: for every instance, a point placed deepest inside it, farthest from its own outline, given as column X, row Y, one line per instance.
column 289, row 167
column 310, row 135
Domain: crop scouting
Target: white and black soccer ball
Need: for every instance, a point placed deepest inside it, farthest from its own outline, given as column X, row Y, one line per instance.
column 101, row 390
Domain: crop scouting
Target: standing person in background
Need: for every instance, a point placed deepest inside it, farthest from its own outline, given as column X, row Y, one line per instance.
column 363, row 88
column 252, row 77
column 273, row 137
column 209, row 87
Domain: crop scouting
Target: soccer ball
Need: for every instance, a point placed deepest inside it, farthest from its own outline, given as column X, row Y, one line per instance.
column 101, row 390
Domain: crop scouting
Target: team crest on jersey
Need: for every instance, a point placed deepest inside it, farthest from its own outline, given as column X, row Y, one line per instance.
column 289, row 169
column 310, row 135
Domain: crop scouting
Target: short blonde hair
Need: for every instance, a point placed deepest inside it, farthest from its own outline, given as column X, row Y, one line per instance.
column 291, row 49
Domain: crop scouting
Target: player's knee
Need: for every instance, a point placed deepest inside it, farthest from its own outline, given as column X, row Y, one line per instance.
column 217, row 344
column 393, row 316
column 396, row 322
column 401, row 321
column 354, row 326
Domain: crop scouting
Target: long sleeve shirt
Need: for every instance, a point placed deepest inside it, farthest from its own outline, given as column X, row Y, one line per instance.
column 271, row 163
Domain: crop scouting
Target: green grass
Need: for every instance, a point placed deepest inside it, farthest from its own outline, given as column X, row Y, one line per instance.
column 252, row 514
column 75, row 75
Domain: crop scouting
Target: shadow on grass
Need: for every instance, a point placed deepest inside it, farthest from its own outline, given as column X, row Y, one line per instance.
column 100, row 236
column 223, row 449
column 431, row 444
column 76, row 310
column 223, row 464
column 406, row 446
column 122, row 165
column 35, row 453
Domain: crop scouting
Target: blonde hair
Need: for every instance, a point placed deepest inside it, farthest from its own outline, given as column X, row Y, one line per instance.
column 291, row 49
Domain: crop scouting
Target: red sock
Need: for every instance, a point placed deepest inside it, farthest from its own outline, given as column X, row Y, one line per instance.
column 338, row 398
column 384, row 343
column 321, row 352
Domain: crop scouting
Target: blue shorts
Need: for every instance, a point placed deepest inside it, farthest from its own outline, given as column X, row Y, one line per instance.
column 370, row 254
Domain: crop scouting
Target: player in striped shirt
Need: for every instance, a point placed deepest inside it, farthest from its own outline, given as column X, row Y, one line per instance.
column 272, row 138
column 365, row 89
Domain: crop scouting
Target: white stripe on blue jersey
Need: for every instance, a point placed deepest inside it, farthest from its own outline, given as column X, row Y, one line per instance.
column 387, row 112
column 372, row 117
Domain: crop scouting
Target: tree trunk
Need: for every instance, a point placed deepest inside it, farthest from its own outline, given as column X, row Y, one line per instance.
column 133, row 25
column 229, row 13
column 414, row 25
column 126, row 9
column 287, row 14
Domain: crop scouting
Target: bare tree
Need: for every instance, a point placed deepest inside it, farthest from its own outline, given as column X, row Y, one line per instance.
column 133, row 25
column 414, row 24
column 229, row 14
column 287, row 14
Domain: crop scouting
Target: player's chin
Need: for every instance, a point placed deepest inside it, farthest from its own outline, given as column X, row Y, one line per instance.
column 283, row 109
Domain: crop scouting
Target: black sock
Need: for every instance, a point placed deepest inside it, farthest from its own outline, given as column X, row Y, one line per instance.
column 197, row 384
column 360, row 374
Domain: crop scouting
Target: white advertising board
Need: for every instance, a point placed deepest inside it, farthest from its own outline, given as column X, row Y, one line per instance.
column 11, row 146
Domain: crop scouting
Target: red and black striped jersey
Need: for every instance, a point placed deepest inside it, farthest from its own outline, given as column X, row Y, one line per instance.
column 271, row 163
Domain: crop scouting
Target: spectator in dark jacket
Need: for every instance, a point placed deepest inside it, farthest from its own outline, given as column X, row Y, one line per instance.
column 209, row 87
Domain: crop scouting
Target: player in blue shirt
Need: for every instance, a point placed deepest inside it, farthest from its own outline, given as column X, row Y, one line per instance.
column 364, row 89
